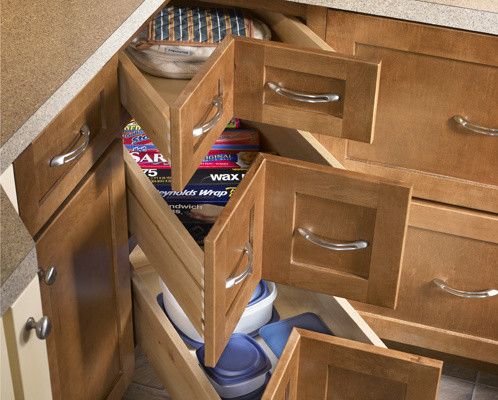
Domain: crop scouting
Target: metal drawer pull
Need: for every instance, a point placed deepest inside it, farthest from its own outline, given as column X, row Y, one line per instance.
column 481, row 294
column 207, row 126
column 42, row 327
column 48, row 276
column 231, row 282
column 315, row 239
column 465, row 123
column 57, row 161
column 304, row 97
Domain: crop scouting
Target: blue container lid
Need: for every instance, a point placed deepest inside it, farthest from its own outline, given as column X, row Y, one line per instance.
column 243, row 359
column 276, row 334
column 261, row 292
column 256, row 395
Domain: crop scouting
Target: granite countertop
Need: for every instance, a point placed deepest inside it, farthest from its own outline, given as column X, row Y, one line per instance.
column 49, row 53
column 18, row 263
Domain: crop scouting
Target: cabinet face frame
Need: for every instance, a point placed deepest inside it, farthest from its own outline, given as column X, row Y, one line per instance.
column 71, row 302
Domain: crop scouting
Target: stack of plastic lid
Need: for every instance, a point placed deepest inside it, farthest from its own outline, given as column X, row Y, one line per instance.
column 242, row 371
column 276, row 334
column 259, row 311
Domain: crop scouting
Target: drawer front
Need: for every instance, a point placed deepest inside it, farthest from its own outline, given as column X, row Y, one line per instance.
column 172, row 112
column 459, row 248
column 429, row 77
column 242, row 245
column 306, row 352
column 309, row 89
column 44, row 177
column 261, row 81
column 318, row 366
column 334, row 231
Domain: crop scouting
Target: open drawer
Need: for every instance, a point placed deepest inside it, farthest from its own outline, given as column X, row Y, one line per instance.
column 261, row 81
column 354, row 364
column 292, row 222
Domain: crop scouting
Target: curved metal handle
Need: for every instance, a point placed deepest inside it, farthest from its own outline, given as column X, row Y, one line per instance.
column 481, row 294
column 319, row 241
column 231, row 282
column 48, row 276
column 42, row 327
column 62, row 159
column 482, row 130
column 207, row 126
column 304, row 97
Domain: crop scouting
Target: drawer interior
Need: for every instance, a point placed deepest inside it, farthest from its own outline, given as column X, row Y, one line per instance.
column 258, row 81
column 177, row 367
column 255, row 235
column 178, row 258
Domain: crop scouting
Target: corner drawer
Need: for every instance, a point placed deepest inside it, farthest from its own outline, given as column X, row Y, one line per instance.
column 261, row 81
column 458, row 249
column 311, row 365
column 437, row 124
column 53, row 164
column 257, row 235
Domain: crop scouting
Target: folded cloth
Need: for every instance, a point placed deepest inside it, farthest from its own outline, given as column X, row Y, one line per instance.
column 179, row 39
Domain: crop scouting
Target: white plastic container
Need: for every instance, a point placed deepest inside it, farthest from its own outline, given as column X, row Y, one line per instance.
column 257, row 314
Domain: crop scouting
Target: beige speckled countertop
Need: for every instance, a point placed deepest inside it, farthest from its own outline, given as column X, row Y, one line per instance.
column 17, row 254
column 51, row 51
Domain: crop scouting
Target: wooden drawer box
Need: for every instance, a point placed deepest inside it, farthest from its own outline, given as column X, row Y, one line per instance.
column 261, row 81
column 311, row 365
column 458, row 247
column 430, row 75
column 53, row 164
column 257, row 235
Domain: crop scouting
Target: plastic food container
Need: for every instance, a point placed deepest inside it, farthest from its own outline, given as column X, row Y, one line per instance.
column 258, row 312
column 276, row 334
column 242, row 369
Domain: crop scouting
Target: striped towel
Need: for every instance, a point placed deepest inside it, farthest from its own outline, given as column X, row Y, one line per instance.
column 197, row 26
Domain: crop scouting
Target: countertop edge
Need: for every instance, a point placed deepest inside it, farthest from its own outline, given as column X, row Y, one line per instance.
column 21, row 139
column 18, row 281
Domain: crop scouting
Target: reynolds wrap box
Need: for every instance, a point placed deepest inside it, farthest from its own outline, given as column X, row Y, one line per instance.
column 200, row 203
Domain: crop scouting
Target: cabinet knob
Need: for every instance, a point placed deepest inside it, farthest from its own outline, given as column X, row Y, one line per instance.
column 42, row 327
column 48, row 276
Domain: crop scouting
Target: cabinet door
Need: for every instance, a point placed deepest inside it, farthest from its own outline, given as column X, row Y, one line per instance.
column 91, row 347
column 318, row 366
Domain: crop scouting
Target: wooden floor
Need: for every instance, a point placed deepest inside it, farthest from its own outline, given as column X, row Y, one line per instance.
column 457, row 383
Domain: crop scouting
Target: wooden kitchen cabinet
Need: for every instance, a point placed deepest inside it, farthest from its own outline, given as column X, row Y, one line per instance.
column 90, row 348
column 437, row 122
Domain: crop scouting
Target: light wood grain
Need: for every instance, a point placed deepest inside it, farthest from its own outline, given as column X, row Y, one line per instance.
column 174, row 363
column 330, row 367
column 41, row 188
column 240, row 222
column 309, row 71
column 429, row 74
column 290, row 8
column 340, row 206
column 461, row 247
column 172, row 250
column 177, row 369
column 169, row 110
column 91, row 343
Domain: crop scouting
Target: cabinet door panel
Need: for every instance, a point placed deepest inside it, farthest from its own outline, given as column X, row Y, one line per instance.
column 317, row 366
column 334, row 231
column 90, row 348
